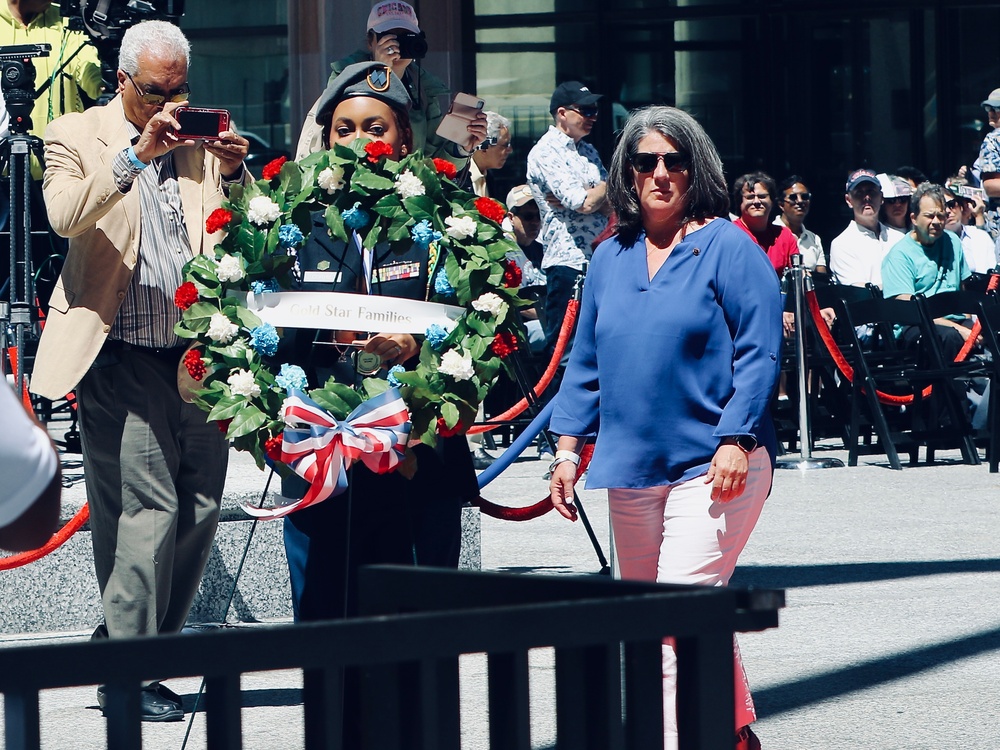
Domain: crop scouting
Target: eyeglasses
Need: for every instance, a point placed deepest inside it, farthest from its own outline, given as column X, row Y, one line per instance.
column 757, row 197
column 528, row 215
column 895, row 201
column 673, row 161
column 991, row 110
column 584, row 111
column 155, row 100
column 952, row 204
column 798, row 197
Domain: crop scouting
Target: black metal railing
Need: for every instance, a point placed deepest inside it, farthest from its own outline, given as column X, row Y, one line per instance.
column 405, row 650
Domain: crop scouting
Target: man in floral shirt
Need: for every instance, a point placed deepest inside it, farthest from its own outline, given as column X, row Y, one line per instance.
column 569, row 184
column 987, row 166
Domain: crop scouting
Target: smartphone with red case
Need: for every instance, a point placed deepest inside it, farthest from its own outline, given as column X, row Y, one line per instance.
column 201, row 123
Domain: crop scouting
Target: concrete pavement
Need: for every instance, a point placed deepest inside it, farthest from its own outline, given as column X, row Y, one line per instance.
column 891, row 636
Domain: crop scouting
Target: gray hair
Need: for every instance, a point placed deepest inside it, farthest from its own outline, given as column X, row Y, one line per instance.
column 157, row 37
column 924, row 190
column 706, row 194
column 494, row 123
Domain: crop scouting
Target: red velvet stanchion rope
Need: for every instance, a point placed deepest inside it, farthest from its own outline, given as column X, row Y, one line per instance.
column 569, row 320
column 58, row 539
column 848, row 372
column 540, row 508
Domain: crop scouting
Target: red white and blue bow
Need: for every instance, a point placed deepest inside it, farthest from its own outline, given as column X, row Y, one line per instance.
column 320, row 449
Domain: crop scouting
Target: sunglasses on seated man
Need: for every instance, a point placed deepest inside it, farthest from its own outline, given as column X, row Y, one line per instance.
column 584, row 111
column 644, row 162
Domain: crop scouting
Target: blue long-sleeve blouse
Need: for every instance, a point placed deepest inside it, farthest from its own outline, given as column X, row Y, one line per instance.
column 662, row 369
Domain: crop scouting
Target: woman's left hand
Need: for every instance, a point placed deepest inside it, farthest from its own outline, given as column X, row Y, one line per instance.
column 728, row 473
column 393, row 348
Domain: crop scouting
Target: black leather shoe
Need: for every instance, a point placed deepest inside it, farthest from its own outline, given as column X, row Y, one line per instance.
column 169, row 695
column 481, row 459
column 152, row 705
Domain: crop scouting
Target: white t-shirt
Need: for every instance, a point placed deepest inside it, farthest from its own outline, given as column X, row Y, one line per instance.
column 856, row 254
column 27, row 461
column 810, row 246
column 979, row 249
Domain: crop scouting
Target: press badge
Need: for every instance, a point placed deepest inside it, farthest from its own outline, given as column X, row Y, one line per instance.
column 397, row 272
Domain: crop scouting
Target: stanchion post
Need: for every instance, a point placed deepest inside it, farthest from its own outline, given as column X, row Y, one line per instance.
column 800, row 279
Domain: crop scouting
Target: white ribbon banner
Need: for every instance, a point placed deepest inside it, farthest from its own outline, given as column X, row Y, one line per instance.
column 344, row 311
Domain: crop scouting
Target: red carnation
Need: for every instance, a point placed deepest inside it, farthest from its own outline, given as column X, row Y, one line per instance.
column 186, row 295
column 218, row 219
column 272, row 168
column 445, row 167
column 445, row 431
column 504, row 344
column 511, row 274
column 194, row 364
column 376, row 150
column 272, row 447
column 223, row 425
column 491, row 209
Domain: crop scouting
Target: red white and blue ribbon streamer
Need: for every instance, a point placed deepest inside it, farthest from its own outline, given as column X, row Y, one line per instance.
column 320, row 449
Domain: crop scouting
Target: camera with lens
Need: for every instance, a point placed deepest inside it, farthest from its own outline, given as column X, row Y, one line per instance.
column 411, row 46
column 18, row 82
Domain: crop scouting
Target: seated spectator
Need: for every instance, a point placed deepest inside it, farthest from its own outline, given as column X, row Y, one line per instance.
column 796, row 200
column 896, row 194
column 856, row 253
column 756, row 195
column 523, row 221
column 911, row 175
column 978, row 247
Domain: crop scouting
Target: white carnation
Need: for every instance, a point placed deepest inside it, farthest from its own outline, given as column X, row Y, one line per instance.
column 408, row 185
column 221, row 330
column 460, row 227
column 456, row 365
column 229, row 269
column 490, row 303
column 262, row 210
column 331, row 179
column 243, row 383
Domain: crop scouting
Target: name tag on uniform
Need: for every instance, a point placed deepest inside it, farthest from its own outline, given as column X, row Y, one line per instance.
column 329, row 277
column 396, row 272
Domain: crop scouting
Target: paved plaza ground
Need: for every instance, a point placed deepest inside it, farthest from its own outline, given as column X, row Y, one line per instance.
column 890, row 638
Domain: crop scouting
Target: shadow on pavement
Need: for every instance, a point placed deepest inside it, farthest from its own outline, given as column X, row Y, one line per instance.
column 792, row 576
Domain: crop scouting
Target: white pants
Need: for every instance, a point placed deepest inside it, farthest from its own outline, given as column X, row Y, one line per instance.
column 677, row 534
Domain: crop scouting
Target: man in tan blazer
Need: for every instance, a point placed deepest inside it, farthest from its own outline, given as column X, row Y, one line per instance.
column 133, row 200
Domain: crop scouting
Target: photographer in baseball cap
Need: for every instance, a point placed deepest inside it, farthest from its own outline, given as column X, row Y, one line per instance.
column 394, row 38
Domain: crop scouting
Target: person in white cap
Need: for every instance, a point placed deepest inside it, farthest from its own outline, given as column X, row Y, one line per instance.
column 987, row 166
column 394, row 38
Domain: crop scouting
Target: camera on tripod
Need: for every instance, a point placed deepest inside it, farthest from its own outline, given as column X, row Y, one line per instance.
column 18, row 82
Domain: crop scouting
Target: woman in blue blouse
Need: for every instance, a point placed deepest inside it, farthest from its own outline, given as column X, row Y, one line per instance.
column 673, row 367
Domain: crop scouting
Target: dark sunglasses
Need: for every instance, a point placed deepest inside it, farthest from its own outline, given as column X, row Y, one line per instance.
column 953, row 203
column 529, row 215
column 799, row 197
column 895, row 201
column 585, row 111
column 155, row 100
column 991, row 110
column 644, row 162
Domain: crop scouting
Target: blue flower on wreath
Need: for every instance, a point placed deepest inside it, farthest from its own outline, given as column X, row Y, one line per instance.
column 435, row 336
column 356, row 217
column 392, row 379
column 442, row 286
column 291, row 376
column 264, row 340
column 423, row 234
column 260, row 287
column 289, row 236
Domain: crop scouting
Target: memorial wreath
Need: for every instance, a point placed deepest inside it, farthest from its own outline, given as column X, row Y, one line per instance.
column 234, row 356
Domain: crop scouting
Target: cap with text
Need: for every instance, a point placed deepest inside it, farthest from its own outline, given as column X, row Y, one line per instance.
column 393, row 14
column 860, row 177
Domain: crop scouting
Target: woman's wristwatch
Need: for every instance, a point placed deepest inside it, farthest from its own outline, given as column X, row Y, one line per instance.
column 746, row 443
column 563, row 457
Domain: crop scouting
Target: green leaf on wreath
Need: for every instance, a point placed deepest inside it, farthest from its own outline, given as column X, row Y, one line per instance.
column 371, row 181
column 374, row 387
column 198, row 317
column 421, row 207
column 247, row 318
column 335, row 223
column 449, row 412
column 391, row 207
column 373, row 237
column 227, row 407
column 248, row 420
